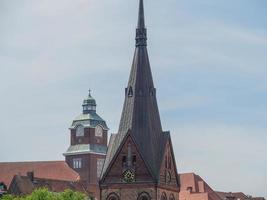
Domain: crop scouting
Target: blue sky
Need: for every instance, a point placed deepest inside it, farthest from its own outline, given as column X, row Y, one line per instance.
column 208, row 60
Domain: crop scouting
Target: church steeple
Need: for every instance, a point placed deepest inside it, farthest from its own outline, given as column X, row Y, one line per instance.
column 140, row 115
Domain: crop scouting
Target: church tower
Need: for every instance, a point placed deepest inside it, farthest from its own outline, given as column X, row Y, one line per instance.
column 88, row 144
column 140, row 163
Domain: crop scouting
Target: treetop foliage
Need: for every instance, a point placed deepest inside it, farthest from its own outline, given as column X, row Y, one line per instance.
column 44, row 194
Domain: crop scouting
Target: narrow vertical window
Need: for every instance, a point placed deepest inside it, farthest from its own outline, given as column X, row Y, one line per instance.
column 77, row 163
column 99, row 166
column 130, row 91
column 134, row 160
column 124, row 158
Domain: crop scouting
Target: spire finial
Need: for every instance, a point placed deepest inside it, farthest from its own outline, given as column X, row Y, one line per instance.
column 89, row 92
column 141, row 29
column 141, row 15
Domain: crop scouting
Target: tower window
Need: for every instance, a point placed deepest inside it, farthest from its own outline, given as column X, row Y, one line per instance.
column 130, row 91
column 99, row 166
column 77, row 163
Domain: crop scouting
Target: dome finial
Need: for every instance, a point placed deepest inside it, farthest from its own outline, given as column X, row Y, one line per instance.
column 89, row 92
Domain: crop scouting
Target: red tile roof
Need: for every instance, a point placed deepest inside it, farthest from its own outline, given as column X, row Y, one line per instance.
column 57, row 170
column 23, row 185
column 193, row 187
column 232, row 195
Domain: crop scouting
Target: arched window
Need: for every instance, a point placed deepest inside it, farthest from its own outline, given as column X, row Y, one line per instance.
column 113, row 196
column 171, row 197
column 163, row 196
column 144, row 196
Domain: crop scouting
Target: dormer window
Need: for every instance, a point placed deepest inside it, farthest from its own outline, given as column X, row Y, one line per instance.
column 151, row 91
column 79, row 131
column 130, row 91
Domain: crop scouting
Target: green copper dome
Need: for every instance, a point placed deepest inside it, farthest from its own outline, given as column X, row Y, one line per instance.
column 89, row 117
column 89, row 104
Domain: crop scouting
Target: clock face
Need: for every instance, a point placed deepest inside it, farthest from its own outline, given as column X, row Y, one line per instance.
column 98, row 131
column 79, row 131
column 128, row 176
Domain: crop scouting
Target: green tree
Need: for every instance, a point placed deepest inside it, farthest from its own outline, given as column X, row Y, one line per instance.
column 45, row 194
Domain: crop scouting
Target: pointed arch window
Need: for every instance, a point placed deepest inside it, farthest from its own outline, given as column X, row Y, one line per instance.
column 130, row 91
column 163, row 196
column 113, row 196
column 144, row 196
column 124, row 161
column 171, row 197
column 151, row 91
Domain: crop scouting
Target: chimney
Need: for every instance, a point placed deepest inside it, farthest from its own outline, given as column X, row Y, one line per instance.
column 31, row 175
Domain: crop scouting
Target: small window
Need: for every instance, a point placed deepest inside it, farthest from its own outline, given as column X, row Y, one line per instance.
column 77, row 163
column 99, row 164
column 151, row 91
column 166, row 162
column 124, row 161
column 130, row 91
column 170, row 163
column 134, row 160
column 140, row 92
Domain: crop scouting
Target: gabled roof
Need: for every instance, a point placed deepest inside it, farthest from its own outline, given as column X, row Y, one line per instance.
column 58, row 170
column 23, row 185
column 140, row 113
column 193, row 184
column 232, row 195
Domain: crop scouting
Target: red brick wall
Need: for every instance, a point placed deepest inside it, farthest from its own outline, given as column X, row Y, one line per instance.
column 170, row 168
column 115, row 173
column 88, row 138
column 129, row 193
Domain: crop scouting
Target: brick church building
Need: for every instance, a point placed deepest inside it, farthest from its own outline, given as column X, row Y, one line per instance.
column 139, row 162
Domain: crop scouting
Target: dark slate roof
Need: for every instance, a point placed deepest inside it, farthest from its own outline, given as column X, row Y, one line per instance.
column 140, row 112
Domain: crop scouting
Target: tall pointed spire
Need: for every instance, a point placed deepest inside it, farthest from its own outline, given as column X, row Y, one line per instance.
column 140, row 113
column 141, row 36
